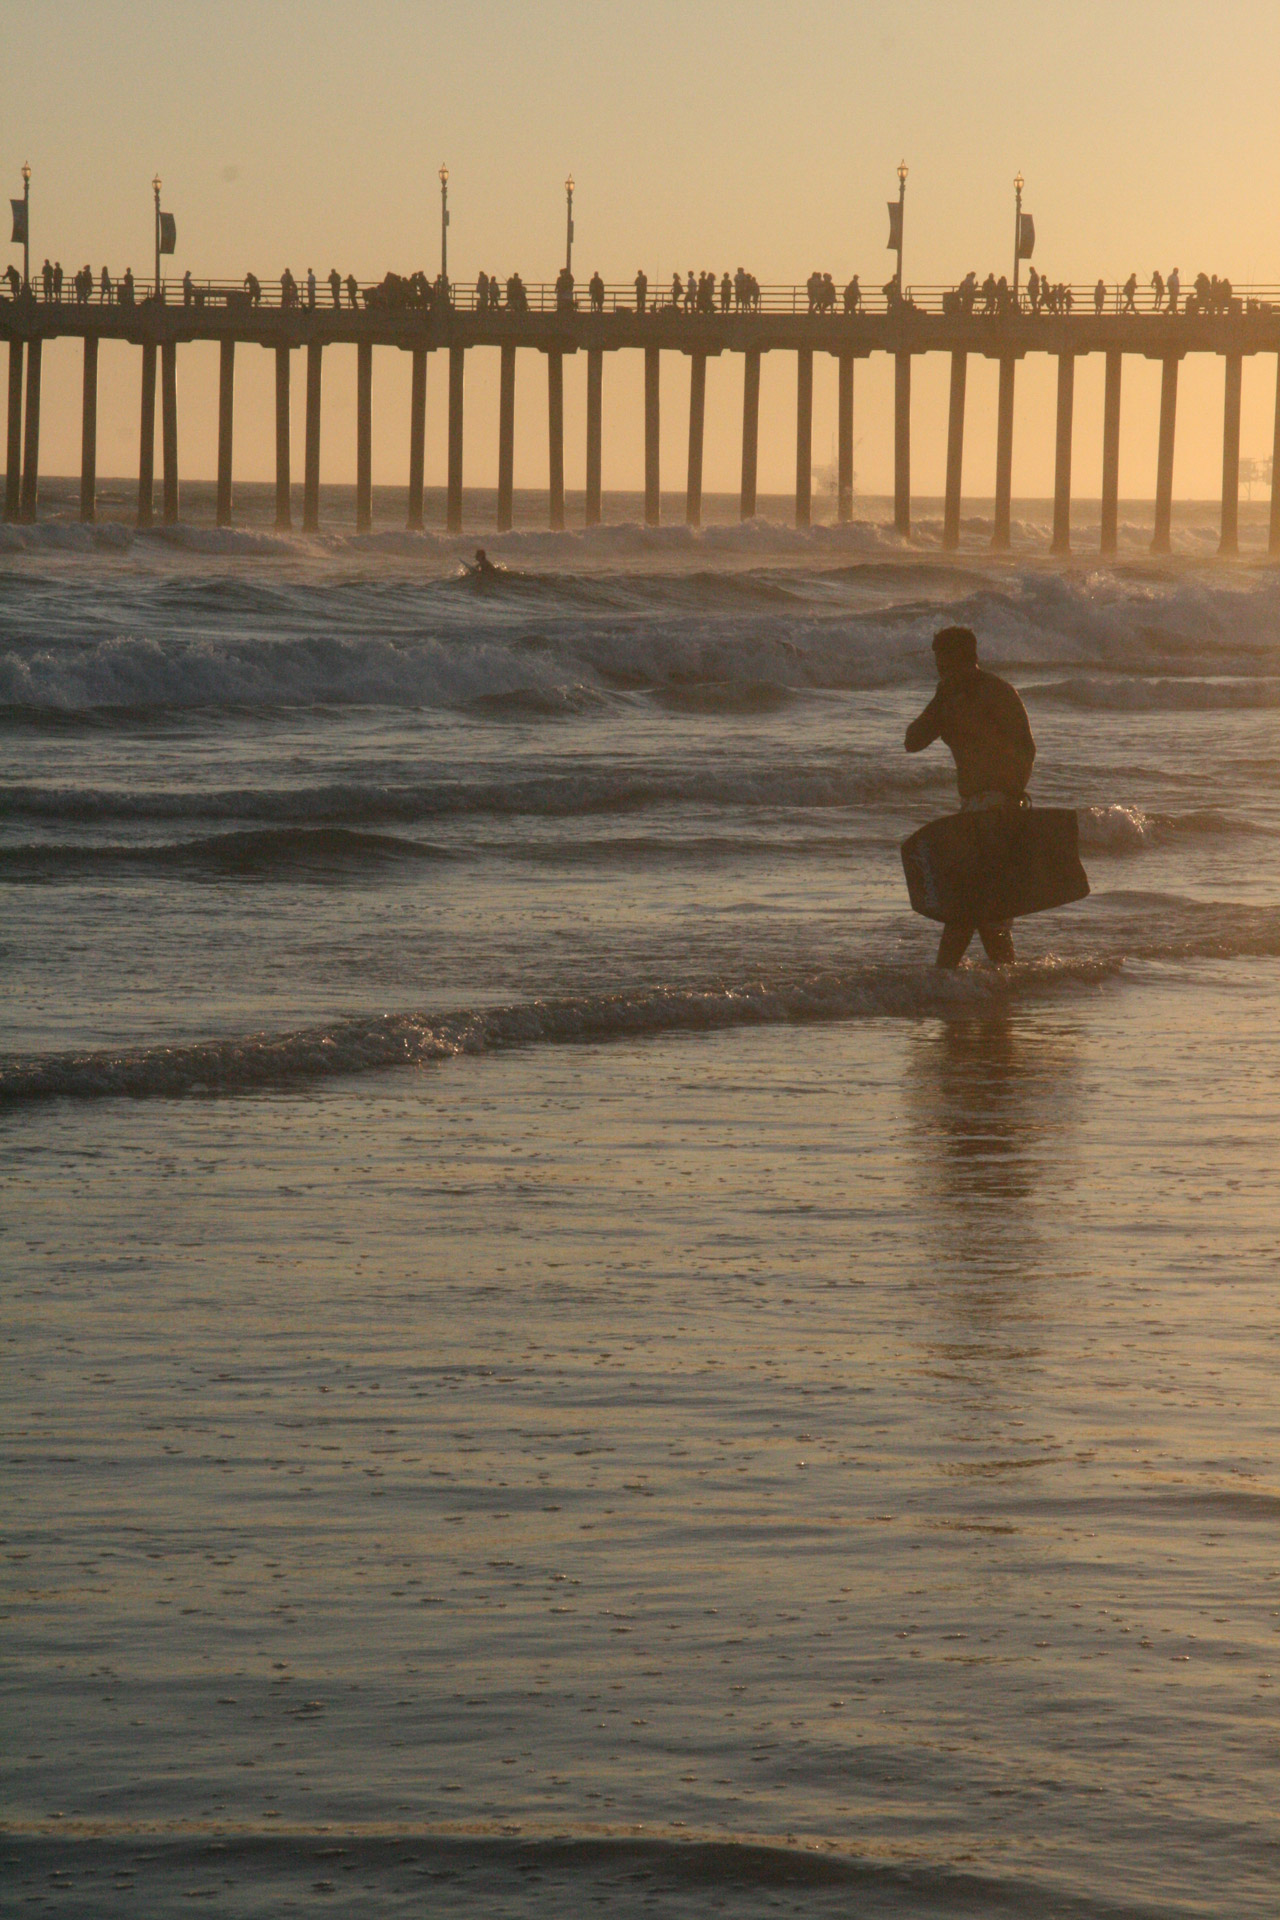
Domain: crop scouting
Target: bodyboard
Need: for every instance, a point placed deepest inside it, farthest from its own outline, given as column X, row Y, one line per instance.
column 983, row 867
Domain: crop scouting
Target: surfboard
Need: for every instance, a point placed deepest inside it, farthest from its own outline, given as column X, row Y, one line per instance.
column 984, row 867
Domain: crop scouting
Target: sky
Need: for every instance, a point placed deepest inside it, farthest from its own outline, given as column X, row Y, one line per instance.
column 307, row 133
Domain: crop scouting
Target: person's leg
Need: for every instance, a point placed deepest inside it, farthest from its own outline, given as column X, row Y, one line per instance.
column 956, row 935
column 998, row 942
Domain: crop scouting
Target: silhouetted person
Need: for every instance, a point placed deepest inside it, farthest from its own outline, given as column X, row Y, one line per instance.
column 642, row 291
column 57, row 279
column 188, row 288
column 595, row 290
column 46, row 279
column 311, row 289
column 1099, row 297
column 980, row 717
column 1131, row 294
column 1157, row 288
column 565, row 301
column 484, row 568
column 1033, row 289
column 726, row 292
column 677, row 291
column 1172, row 290
column 14, row 278
column 853, row 296
column 482, row 293
column 353, row 291
column 335, row 286
column 126, row 288
column 104, row 288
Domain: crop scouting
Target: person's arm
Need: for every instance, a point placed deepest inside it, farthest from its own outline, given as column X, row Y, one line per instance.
column 926, row 727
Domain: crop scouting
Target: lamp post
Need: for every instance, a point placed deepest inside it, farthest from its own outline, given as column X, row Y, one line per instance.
column 1018, row 184
column 902, row 203
column 568, row 229
column 444, row 222
column 26, row 227
column 155, row 188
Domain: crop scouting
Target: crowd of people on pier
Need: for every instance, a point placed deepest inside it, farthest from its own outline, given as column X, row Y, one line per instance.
column 695, row 293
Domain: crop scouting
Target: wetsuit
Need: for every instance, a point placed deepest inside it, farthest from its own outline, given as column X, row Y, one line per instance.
column 980, row 717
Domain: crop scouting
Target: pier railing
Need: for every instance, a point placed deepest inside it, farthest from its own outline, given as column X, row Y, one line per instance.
column 401, row 295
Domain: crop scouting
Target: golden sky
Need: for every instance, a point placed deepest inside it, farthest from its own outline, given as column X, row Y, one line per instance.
column 307, row 133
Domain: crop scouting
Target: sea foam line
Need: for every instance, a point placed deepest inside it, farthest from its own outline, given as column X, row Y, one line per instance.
column 376, row 1042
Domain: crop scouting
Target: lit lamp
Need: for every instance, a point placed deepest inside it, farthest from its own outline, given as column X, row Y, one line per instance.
column 155, row 188
column 26, row 226
column 1018, row 184
column 444, row 222
column 568, row 232
column 902, row 201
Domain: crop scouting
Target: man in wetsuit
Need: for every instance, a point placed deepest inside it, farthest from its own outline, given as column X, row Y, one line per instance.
column 982, row 720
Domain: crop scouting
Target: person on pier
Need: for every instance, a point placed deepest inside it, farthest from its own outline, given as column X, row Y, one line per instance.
column 642, row 290
column 188, row 289
column 253, row 287
column 46, row 279
column 1130, row 294
column 14, row 278
column 126, row 288
column 726, row 292
column 1099, row 297
column 335, row 287
column 853, row 296
column 595, row 291
column 1173, row 290
column 983, row 721
column 1157, row 288
column 353, row 292
column 311, row 289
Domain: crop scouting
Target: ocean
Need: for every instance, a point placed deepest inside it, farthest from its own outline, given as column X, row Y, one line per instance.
column 552, row 1364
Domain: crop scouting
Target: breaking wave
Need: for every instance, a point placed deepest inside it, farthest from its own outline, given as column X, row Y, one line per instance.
column 377, row 1042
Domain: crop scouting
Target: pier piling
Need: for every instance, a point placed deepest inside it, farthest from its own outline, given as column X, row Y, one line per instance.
column 555, row 439
column 1062, row 454
column 89, row 431
column 284, row 510
column 902, row 443
column 1111, row 453
column 226, row 427
column 844, row 438
column 506, row 435
column 1229, row 541
column 31, row 432
column 13, row 437
column 652, row 499
column 417, row 437
column 1164, row 454
column 364, row 436
column 1000, row 533
column 751, row 431
column 955, row 451
column 804, row 436
column 311, row 454
column 595, row 385
column 697, row 420
column 169, row 430
column 1273, row 541
column 147, row 440
column 453, row 502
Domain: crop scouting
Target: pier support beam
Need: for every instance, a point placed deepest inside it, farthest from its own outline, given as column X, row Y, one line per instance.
column 1111, row 452
column 284, row 511
column 555, row 439
column 1273, row 541
column 955, row 452
column 902, row 443
column 1229, row 542
column 147, row 446
column 751, row 431
column 804, row 436
column 364, row 436
column 311, row 455
column 226, row 427
column 1062, row 454
column 595, row 392
column 1004, row 456
column 652, row 502
column 697, row 421
column 13, row 437
column 844, row 439
column 1164, row 457
column 506, row 435
column 169, row 429
column 89, row 431
column 453, row 501
column 31, row 433
column 417, row 437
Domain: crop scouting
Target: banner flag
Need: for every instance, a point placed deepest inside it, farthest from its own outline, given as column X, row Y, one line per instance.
column 168, row 233
column 1026, row 236
column 20, row 235
column 895, row 224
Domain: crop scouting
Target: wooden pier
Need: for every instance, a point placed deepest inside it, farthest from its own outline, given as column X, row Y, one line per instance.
column 925, row 323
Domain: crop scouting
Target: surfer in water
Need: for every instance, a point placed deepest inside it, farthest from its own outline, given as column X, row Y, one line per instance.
column 484, row 568
column 980, row 717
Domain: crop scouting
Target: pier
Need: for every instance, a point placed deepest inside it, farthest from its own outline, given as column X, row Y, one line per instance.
column 780, row 321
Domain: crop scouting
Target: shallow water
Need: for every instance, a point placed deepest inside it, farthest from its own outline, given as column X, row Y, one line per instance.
column 595, row 1381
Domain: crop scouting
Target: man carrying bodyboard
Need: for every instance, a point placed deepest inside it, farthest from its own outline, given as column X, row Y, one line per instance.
column 997, row 857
